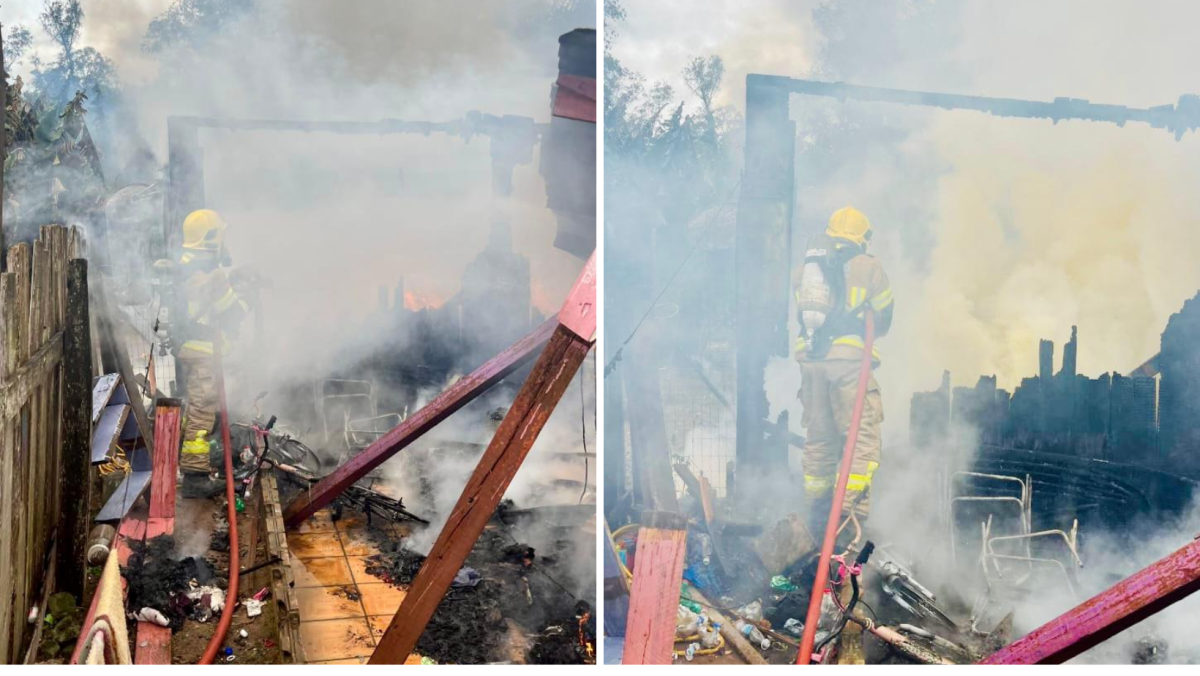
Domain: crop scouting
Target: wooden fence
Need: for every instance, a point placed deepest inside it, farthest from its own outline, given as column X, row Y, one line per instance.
column 39, row 311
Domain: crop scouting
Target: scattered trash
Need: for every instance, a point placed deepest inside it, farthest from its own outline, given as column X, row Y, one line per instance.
column 794, row 627
column 690, row 653
column 781, row 583
column 466, row 577
column 244, row 634
column 253, row 608
column 261, row 594
column 752, row 611
column 152, row 615
column 33, row 615
column 753, row 634
column 687, row 623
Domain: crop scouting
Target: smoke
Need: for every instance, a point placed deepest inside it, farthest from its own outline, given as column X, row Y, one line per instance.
column 994, row 232
column 329, row 219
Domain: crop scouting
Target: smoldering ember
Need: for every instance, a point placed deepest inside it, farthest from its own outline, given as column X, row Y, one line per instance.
column 298, row 308
column 902, row 360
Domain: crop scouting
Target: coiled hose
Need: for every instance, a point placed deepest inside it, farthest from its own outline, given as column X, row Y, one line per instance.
column 839, row 496
column 231, row 594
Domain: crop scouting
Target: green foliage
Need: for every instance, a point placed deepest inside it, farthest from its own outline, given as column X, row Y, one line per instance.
column 662, row 156
column 191, row 25
column 72, row 70
column 17, row 40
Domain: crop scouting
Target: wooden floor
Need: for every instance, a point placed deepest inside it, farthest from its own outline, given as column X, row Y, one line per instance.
column 343, row 609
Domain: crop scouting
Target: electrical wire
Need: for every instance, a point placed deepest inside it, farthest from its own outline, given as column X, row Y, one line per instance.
column 612, row 363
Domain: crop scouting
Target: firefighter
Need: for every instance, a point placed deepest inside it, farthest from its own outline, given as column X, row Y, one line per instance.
column 830, row 359
column 213, row 308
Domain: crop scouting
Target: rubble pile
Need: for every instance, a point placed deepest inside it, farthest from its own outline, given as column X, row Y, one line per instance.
column 505, row 587
column 162, row 581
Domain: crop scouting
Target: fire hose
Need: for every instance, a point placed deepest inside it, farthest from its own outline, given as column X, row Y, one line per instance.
column 839, row 496
column 231, row 594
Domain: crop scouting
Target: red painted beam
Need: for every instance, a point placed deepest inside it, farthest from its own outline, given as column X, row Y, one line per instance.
column 167, row 415
column 1110, row 612
column 575, row 98
column 455, row 397
column 654, row 597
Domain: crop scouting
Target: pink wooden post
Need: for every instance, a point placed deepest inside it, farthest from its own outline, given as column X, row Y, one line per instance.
column 1110, row 612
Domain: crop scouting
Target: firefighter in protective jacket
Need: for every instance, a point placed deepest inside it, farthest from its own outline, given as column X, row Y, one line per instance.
column 213, row 307
column 830, row 356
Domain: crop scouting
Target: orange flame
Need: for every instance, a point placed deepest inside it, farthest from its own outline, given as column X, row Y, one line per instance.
column 421, row 300
column 541, row 299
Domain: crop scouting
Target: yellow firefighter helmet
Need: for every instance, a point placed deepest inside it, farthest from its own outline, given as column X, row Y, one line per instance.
column 851, row 224
column 203, row 230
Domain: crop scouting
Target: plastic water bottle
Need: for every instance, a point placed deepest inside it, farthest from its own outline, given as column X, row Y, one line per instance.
column 752, row 611
column 690, row 653
column 752, row 633
column 687, row 623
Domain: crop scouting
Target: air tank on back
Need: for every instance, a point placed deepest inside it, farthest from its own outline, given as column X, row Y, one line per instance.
column 814, row 297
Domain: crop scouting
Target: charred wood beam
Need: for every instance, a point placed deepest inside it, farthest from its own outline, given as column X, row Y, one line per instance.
column 1110, row 612
column 74, row 477
column 473, row 123
column 763, row 264
column 1178, row 119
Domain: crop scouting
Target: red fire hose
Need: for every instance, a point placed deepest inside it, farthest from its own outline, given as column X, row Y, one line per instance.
column 839, row 496
column 231, row 593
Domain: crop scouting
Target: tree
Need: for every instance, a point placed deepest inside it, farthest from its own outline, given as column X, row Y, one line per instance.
column 703, row 78
column 190, row 25
column 17, row 40
column 73, row 70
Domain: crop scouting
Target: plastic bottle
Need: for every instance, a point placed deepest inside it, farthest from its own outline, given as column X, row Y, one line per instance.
column 710, row 636
column 687, row 623
column 752, row 633
column 690, row 653
column 828, row 618
column 752, row 611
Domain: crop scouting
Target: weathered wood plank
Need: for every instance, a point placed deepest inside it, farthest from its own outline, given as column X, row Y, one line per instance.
column 167, row 417
column 654, row 595
column 16, row 391
column 19, row 541
column 153, row 644
column 102, row 391
column 7, row 581
column 72, row 476
column 38, row 283
column 18, row 265
column 8, row 309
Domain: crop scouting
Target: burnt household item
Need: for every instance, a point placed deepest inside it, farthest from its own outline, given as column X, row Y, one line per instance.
column 100, row 543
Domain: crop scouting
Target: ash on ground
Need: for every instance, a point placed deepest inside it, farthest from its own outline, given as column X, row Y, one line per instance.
column 506, row 588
